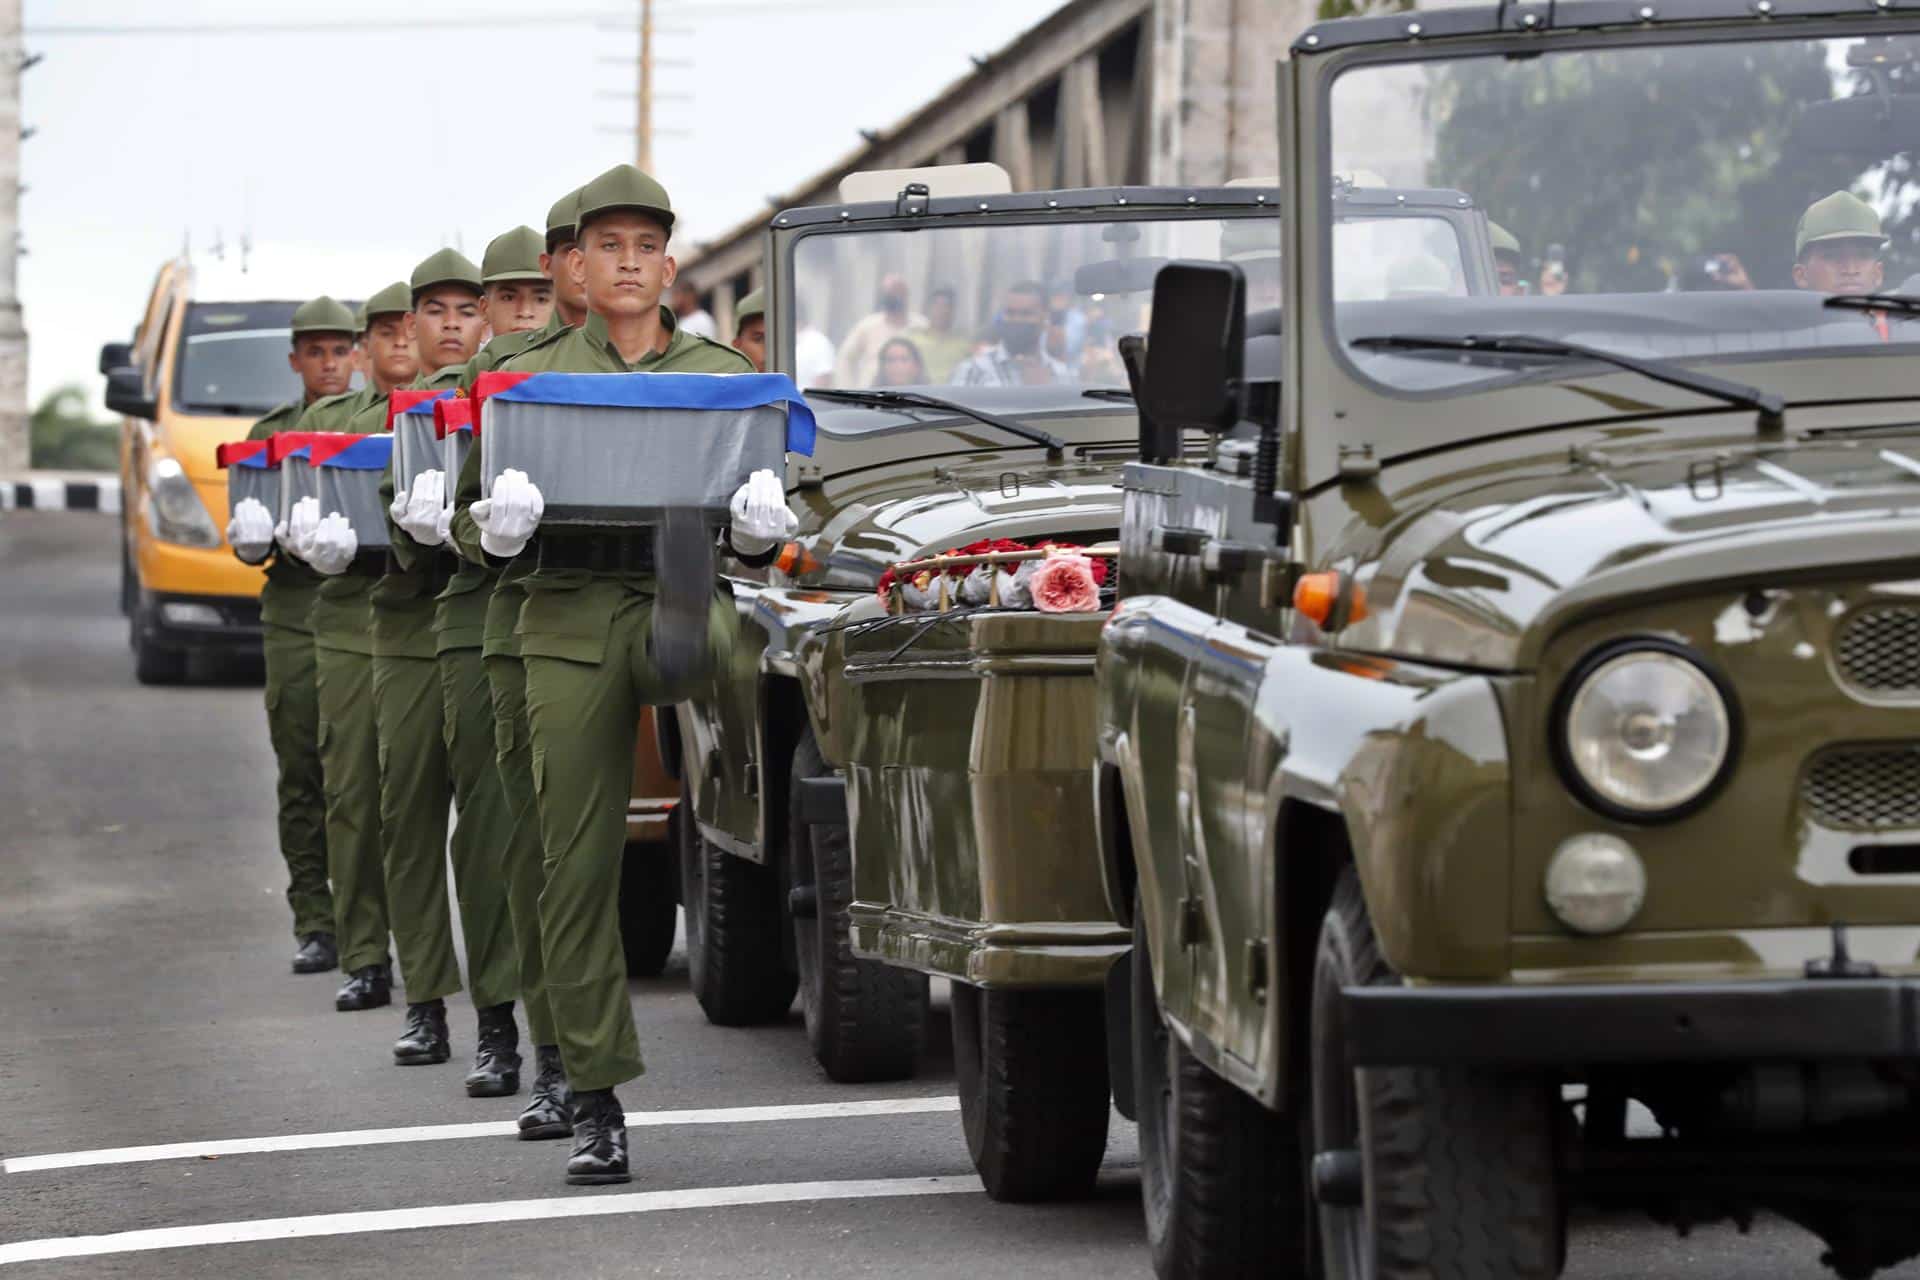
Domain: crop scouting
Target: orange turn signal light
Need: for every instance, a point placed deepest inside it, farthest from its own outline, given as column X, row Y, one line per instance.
column 1317, row 596
column 795, row 560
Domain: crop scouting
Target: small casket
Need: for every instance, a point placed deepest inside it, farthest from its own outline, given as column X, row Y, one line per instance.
column 349, row 470
column 249, row 475
column 453, row 423
column 415, row 446
column 612, row 449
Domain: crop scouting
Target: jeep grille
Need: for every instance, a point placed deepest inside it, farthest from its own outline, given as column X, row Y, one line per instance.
column 1873, row 788
column 1879, row 649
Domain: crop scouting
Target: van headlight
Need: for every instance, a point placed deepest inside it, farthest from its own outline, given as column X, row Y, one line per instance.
column 174, row 510
column 1646, row 732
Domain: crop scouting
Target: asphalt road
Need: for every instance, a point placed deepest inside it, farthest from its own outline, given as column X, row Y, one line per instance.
column 145, row 1000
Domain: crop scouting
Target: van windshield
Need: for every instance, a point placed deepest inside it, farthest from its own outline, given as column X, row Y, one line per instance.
column 233, row 358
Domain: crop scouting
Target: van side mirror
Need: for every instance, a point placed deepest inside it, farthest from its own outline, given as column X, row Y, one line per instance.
column 1197, row 347
column 127, row 393
column 116, row 355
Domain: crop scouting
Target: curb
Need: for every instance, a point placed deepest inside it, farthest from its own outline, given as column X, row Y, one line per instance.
column 59, row 494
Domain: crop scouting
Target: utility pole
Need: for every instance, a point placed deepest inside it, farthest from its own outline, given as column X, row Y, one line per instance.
column 14, row 59
column 643, row 131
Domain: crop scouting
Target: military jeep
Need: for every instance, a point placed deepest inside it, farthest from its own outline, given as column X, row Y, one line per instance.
column 882, row 793
column 1509, row 734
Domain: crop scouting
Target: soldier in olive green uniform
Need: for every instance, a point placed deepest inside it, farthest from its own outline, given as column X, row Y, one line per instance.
column 343, row 651
column 323, row 334
column 584, row 641
column 750, row 329
column 416, row 784
column 546, row 1114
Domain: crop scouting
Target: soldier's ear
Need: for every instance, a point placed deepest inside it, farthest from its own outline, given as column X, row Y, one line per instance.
column 577, row 267
column 1799, row 275
column 293, row 358
column 669, row 273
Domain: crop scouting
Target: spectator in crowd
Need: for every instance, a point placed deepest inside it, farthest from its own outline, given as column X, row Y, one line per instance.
column 813, row 355
column 859, row 360
column 901, row 364
column 1066, row 324
column 688, row 312
column 1018, row 357
column 941, row 345
column 1714, row 273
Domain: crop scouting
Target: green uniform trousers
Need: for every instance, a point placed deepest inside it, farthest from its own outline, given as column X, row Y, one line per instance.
column 582, row 716
column 293, row 726
column 480, row 834
column 350, row 762
column 415, row 791
column 521, row 854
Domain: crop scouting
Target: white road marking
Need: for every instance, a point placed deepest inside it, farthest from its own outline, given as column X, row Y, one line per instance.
column 482, row 1129
column 463, row 1215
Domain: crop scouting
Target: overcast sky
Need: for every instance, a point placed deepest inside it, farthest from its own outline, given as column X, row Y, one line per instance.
column 347, row 150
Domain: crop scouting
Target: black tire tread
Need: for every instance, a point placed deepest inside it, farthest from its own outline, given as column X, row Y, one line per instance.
column 1461, row 1168
column 866, row 1020
column 738, row 976
column 1034, row 1099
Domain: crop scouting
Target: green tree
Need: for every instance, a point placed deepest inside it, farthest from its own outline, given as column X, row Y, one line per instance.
column 63, row 436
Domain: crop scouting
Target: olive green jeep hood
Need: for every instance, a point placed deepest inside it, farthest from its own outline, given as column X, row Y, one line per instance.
column 1478, row 563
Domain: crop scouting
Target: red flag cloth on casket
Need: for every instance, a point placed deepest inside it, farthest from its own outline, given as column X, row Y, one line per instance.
column 404, row 399
column 451, row 415
column 235, row 451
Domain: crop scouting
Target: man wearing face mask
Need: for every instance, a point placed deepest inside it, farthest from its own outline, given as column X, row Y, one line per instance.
column 1017, row 360
column 859, row 360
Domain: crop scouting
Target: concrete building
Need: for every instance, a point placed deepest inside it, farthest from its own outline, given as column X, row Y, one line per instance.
column 13, row 334
column 1103, row 92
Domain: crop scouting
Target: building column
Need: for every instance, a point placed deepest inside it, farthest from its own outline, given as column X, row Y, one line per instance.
column 1214, row 116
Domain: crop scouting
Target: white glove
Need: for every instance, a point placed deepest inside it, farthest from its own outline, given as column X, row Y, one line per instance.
column 421, row 515
column 333, row 546
column 250, row 532
column 508, row 516
column 300, row 526
column 760, row 515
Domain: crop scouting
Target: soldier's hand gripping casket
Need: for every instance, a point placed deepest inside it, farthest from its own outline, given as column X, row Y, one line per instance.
column 760, row 514
column 250, row 531
column 302, row 522
column 508, row 516
column 333, row 546
column 420, row 511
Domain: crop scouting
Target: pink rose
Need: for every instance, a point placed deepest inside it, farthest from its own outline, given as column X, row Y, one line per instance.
column 1064, row 584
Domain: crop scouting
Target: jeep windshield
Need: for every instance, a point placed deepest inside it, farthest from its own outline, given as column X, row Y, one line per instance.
column 1694, row 202
column 233, row 358
column 970, row 304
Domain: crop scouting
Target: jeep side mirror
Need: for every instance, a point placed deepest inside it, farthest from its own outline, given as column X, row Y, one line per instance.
column 116, row 355
column 1197, row 347
column 127, row 393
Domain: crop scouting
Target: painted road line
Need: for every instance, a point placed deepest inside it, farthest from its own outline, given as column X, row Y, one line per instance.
column 466, row 1215
column 482, row 1129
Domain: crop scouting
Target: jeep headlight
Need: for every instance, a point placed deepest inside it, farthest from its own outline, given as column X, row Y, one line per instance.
column 174, row 509
column 1647, row 732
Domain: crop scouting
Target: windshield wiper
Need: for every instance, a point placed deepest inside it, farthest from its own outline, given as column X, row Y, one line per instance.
column 1904, row 305
column 1120, row 394
column 915, row 400
column 1771, row 407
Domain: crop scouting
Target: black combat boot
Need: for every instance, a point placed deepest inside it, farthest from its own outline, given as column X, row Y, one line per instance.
column 496, row 1059
column 316, row 954
column 549, row 1110
column 424, row 1042
column 368, row 987
column 599, row 1139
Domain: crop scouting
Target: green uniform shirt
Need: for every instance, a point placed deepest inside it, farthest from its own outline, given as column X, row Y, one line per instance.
column 583, row 350
column 288, row 596
column 461, row 617
column 339, row 614
column 402, row 597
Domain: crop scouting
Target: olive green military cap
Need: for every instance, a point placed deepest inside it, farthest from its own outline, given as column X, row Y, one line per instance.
column 754, row 304
column 449, row 266
column 1504, row 240
column 563, row 219
column 395, row 299
column 625, row 187
column 322, row 315
column 513, row 255
column 1840, row 216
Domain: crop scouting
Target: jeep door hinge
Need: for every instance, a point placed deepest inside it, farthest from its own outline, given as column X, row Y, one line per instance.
column 1192, row 923
column 1257, row 969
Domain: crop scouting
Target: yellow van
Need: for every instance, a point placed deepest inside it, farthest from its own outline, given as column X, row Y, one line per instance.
column 199, row 371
